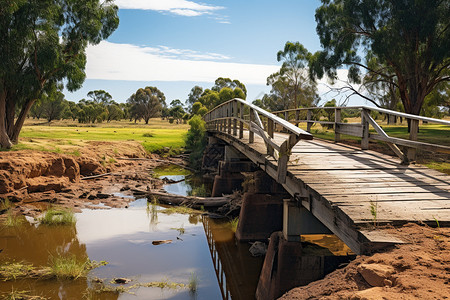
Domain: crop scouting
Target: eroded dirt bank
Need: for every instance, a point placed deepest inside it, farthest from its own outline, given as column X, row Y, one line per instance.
column 33, row 180
column 418, row 269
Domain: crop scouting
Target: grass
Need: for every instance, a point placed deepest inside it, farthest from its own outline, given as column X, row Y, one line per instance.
column 180, row 210
column 20, row 295
column 193, row 283
column 11, row 219
column 234, row 224
column 69, row 267
column 180, row 230
column 199, row 191
column 61, row 134
column 170, row 170
column 15, row 270
column 55, row 217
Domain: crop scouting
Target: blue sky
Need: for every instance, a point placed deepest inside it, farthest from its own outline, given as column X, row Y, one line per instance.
column 177, row 44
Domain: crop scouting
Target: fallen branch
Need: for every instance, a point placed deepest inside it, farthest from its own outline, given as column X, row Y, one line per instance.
column 190, row 201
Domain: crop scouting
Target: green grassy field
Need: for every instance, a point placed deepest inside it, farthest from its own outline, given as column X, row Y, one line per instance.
column 50, row 137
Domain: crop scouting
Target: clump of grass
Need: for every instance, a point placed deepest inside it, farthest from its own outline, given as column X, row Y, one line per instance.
column 11, row 220
column 234, row 224
column 374, row 212
column 20, row 295
column 14, row 270
column 58, row 217
column 193, row 283
column 148, row 134
column 69, row 267
column 180, row 230
column 199, row 191
column 76, row 153
column 164, row 284
column 180, row 210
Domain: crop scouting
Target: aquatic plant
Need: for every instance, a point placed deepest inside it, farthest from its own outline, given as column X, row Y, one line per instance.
column 199, row 191
column 20, row 295
column 234, row 224
column 193, row 283
column 14, row 270
column 180, row 230
column 58, row 217
column 180, row 210
column 69, row 267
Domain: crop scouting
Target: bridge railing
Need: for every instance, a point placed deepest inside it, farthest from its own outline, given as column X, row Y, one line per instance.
column 235, row 116
column 361, row 129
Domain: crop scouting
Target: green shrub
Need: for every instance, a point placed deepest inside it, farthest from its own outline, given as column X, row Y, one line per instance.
column 58, row 217
column 196, row 141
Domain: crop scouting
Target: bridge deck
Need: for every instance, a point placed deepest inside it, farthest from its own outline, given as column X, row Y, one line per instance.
column 343, row 183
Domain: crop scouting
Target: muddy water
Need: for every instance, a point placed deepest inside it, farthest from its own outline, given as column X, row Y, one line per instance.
column 123, row 237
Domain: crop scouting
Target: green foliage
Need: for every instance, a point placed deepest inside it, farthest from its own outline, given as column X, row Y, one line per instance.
column 146, row 103
column 196, row 140
column 193, row 283
column 14, row 270
column 43, row 46
column 55, row 217
column 69, row 267
column 199, row 191
column 405, row 44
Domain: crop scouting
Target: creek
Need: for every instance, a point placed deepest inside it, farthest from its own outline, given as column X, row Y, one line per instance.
column 202, row 250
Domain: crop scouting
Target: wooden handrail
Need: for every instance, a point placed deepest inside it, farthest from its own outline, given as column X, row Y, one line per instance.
column 362, row 129
column 228, row 117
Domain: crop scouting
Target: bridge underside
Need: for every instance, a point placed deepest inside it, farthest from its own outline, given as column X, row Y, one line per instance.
column 350, row 190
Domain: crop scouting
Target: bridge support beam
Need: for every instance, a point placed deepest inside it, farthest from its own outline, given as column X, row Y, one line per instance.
column 286, row 266
column 297, row 220
column 230, row 178
column 262, row 208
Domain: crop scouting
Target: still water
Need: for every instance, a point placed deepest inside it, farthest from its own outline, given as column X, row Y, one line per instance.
column 201, row 247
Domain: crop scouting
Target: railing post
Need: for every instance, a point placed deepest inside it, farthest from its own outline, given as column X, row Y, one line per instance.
column 297, row 116
column 337, row 120
column 235, row 115
column 308, row 119
column 365, row 129
column 241, row 122
column 229, row 114
column 251, row 135
column 286, row 115
column 413, row 130
column 270, row 127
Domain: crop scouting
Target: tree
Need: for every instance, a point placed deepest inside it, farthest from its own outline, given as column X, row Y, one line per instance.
column 221, row 82
column 53, row 105
column 146, row 103
column 293, row 74
column 194, row 96
column 114, row 112
column 43, row 44
column 100, row 97
column 410, row 39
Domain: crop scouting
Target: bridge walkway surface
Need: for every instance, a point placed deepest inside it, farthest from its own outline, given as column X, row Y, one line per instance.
column 350, row 190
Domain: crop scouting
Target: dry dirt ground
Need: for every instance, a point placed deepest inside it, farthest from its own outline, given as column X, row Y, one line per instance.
column 418, row 269
column 33, row 180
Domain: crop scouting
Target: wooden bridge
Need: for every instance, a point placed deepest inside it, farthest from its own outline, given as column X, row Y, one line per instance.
column 347, row 188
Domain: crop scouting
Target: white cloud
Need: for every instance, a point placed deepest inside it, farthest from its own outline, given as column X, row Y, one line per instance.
column 113, row 61
column 178, row 7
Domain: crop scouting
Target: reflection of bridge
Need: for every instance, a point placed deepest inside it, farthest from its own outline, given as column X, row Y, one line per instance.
column 236, row 271
column 342, row 186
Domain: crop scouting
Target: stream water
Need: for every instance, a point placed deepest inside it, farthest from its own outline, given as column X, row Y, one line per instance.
column 201, row 248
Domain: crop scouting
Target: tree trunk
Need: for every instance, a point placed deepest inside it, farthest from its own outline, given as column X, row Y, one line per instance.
column 20, row 120
column 5, row 142
column 10, row 114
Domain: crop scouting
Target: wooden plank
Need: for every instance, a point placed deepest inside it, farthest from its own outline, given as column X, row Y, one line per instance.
column 382, row 184
column 390, row 197
column 379, row 190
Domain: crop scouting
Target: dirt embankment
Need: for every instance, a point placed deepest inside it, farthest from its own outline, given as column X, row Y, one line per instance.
column 32, row 180
column 418, row 269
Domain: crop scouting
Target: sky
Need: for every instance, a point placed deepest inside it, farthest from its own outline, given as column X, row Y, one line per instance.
column 177, row 44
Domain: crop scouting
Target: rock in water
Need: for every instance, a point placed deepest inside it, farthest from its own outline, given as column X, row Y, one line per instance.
column 258, row 249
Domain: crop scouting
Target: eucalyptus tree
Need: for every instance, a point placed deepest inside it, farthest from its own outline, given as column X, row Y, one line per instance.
column 43, row 44
column 146, row 103
column 221, row 83
column 409, row 38
column 292, row 82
